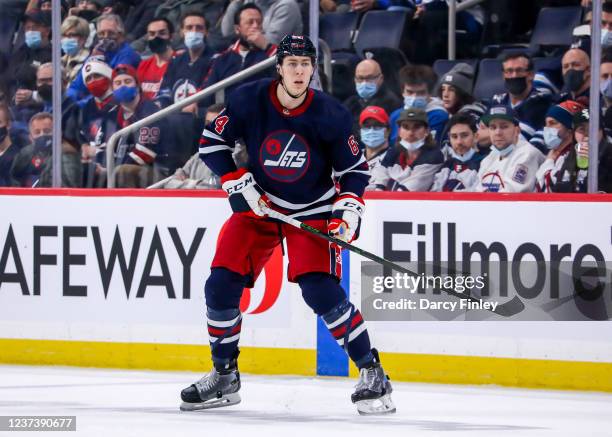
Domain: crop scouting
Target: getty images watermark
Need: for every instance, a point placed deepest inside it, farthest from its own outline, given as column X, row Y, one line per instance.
column 479, row 291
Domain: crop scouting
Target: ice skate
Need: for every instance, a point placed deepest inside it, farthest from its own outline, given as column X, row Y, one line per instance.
column 373, row 391
column 218, row 388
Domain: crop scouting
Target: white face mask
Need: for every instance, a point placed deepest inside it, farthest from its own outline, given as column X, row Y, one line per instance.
column 463, row 158
column 411, row 147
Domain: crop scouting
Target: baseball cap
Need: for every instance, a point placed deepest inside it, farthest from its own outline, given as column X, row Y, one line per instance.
column 581, row 117
column 375, row 112
column 125, row 69
column 499, row 112
column 413, row 114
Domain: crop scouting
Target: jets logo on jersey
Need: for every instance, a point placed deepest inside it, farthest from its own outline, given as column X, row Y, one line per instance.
column 492, row 182
column 182, row 89
column 284, row 156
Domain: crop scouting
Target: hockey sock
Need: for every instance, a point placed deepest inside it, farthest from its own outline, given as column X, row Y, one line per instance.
column 223, row 333
column 324, row 295
column 223, row 290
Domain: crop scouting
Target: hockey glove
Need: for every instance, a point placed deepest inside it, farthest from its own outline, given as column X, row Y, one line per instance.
column 346, row 217
column 245, row 196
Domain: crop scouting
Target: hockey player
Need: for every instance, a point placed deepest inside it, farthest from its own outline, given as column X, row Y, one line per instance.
column 297, row 140
column 460, row 170
column 511, row 165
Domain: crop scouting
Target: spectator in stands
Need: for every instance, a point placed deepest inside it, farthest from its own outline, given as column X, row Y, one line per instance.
column 371, row 91
column 558, row 136
column 89, row 10
column 411, row 165
column 374, row 133
column 280, row 18
column 138, row 17
column 417, row 83
column 250, row 48
column 37, row 48
column 576, row 69
column 112, row 46
column 571, row 176
column 75, row 32
column 605, row 85
column 23, row 104
column 455, row 91
column 185, row 72
column 29, row 162
column 44, row 87
column 512, row 163
column 93, row 110
column 529, row 104
column 460, row 170
column 150, row 145
column 195, row 174
column 8, row 150
column 151, row 71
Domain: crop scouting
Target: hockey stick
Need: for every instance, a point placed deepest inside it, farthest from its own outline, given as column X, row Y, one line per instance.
column 507, row 309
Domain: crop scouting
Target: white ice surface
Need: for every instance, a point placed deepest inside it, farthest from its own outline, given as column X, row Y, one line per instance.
column 117, row 403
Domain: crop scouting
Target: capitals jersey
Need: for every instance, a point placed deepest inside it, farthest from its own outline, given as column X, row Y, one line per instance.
column 296, row 155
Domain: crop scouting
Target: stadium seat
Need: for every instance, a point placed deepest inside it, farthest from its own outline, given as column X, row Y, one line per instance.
column 443, row 66
column 381, row 29
column 337, row 29
column 490, row 80
column 554, row 26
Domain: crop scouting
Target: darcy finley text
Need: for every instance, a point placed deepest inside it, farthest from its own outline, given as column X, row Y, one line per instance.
column 426, row 304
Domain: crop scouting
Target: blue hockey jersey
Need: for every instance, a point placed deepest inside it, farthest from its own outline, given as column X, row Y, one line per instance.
column 296, row 155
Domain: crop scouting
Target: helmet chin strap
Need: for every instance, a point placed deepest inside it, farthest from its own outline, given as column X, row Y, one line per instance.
column 295, row 96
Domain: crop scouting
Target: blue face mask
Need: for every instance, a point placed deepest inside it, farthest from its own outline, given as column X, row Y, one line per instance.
column 366, row 89
column 33, row 39
column 194, row 39
column 504, row 152
column 373, row 137
column 606, row 37
column 70, row 46
column 463, row 158
column 418, row 102
column 606, row 88
column 125, row 94
column 551, row 138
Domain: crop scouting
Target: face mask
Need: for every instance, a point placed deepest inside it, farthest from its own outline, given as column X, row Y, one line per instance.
column 43, row 141
column 107, row 45
column 606, row 88
column 463, row 158
column 70, row 46
column 125, row 94
column 158, row 45
column 417, row 102
column 3, row 133
column 33, row 39
column 45, row 92
column 366, row 89
column 516, row 85
column 412, row 147
column 194, row 39
column 551, row 138
column 99, row 87
column 573, row 79
column 88, row 14
column 504, row 152
column 606, row 37
column 373, row 137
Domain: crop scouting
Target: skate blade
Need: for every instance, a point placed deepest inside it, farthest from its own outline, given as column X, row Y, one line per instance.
column 372, row 407
column 225, row 401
